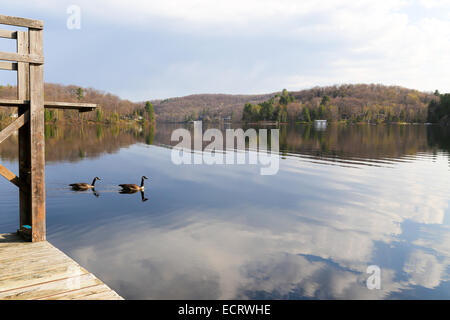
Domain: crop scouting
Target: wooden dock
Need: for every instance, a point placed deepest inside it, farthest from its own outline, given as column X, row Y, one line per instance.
column 39, row 271
column 36, row 269
column 28, row 62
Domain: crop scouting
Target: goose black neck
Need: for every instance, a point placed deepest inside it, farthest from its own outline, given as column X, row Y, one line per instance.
column 93, row 182
column 142, row 182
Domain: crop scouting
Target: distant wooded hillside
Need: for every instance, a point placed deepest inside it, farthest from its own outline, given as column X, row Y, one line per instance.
column 357, row 102
column 205, row 107
column 354, row 102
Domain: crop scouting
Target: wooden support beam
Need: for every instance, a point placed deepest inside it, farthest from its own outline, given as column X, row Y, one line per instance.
column 37, row 140
column 19, row 122
column 8, row 65
column 31, row 106
column 23, row 68
column 24, row 172
column 13, row 102
column 80, row 106
column 8, row 34
column 30, row 58
column 21, row 22
column 23, row 85
column 8, row 175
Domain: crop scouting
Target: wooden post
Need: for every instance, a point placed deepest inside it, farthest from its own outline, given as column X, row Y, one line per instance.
column 30, row 102
column 37, row 138
column 23, row 83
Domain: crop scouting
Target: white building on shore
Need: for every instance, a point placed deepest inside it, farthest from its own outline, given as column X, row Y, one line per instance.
column 320, row 124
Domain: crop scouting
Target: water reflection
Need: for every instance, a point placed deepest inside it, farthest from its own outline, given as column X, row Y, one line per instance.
column 143, row 198
column 78, row 142
column 311, row 234
column 366, row 143
column 221, row 232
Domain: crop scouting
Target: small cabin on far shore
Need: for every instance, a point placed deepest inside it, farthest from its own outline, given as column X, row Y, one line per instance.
column 320, row 123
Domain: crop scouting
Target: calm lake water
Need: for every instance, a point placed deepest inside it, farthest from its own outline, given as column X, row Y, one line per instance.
column 344, row 198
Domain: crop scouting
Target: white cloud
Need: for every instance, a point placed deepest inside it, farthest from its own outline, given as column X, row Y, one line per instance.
column 313, row 43
column 424, row 269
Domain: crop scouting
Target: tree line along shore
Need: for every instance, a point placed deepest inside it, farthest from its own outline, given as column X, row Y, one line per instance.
column 413, row 107
column 112, row 109
column 370, row 103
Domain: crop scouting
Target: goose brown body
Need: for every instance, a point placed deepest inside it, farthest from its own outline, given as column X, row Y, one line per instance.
column 84, row 186
column 133, row 187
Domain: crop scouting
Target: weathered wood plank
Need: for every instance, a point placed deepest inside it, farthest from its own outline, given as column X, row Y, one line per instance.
column 23, row 74
column 8, row 65
column 24, row 250
column 41, row 276
column 51, row 288
column 38, row 270
column 23, row 255
column 18, row 258
column 21, row 247
column 13, row 102
column 80, row 106
column 8, row 34
column 8, row 241
column 108, row 295
column 51, row 264
column 8, row 175
column 21, row 22
column 19, row 122
column 37, row 140
column 82, row 293
column 23, row 84
column 31, row 58
column 7, row 245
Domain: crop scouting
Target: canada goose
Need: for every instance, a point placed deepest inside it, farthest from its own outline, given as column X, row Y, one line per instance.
column 84, row 186
column 133, row 187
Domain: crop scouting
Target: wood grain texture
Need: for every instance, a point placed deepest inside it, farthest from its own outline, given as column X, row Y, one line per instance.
column 12, row 66
column 21, row 22
column 23, row 93
column 8, row 175
column 23, row 71
column 30, row 123
column 37, row 140
column 8, row 34
column 80, row 106
column 13, row 102
column 38, row 270
column 19, row 122
column 85, row 293
column 31, row 58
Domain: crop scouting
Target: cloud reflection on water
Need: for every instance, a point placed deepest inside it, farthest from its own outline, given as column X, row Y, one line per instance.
column 315, row 242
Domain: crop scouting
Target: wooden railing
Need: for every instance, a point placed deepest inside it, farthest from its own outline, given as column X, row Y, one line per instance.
column 28, row 62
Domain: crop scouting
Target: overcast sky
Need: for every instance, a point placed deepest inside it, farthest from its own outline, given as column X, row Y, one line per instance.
column 158, row 49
